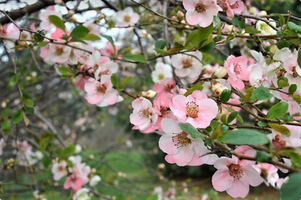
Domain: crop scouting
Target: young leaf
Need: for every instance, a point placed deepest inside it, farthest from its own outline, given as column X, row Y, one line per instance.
column 231, row 117
column 17, row 116
column 299, row 57
column 261, row 93
column 56, row 21
column 239, row 23
column 135, row 57
column 65, row 71
column 5, row 126
column 125, row 81
column 79, row 31
column 225, row 96
column 90, row 37
column 160, row 44
column 291, row 189
column 191, row 131
column 281, row 129
column 292, row 89
column 70, row 149
column 262, row 156
column 111, row 41
column 114, row 79
column 245, row 136
column 28, row 102
column 278, row 110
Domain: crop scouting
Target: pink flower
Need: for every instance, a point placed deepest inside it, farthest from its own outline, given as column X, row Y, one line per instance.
column 280, row 141
column 101, row 92
column 237, row 71
column 161, row 72
column 232, row 6
column 268, row 172
column 234, row 175
column 195, row 109
column 187, row 66
column 74, row 181
column 200, row 11
column 181, row 148
column 59, row 169
column 126, row 17
column 44, row 17
column 59, row 53
column 143, row 117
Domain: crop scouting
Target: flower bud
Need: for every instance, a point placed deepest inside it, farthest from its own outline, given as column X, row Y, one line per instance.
column 252, row 10
column 148, row 94
column 217, row 88
column 180, row 14
column 274, row 49
column 70, row 12
column 262, row 13
column 173, row 17
column 220, row 72
column 182, row 91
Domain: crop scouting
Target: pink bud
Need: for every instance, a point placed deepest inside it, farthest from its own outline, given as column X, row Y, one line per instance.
column 217, row 88
column 180, row 14
column 182, row 91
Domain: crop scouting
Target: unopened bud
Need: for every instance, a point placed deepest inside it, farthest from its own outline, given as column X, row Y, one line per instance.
column 262, row 13
column 229, row 28
column 274, row 49
column 180, row 14
column 182, row 91
column 252, row 10
column 70, row 12
column 220, row 114
column 220, row 72
column 217, row 88
column 148, row 94
column 173, row 17
column 143, row 32
column 60, row 2
column 148, row 36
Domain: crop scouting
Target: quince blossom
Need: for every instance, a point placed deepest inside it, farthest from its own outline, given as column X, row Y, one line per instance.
column 44, row 17
column 143, row 117
column 181, row 148
column 101, row 92
column 231, row 6
column 161, row 72
column 126, row 17
column 59, row 169
column 195, row 109
column 234, row 175
column 200, row 11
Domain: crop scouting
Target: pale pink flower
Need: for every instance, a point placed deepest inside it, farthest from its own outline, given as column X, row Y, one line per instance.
column 195, row 109
column 101, row 92
column 81, row 79
column 268, row 172
column 59, row 53
column 109, row 50
column 231, row 6
column 181, row 148
column 200, row 11
column 143, row 117
column 126, row 17
column 237, row 71
column 81, row 194
column 187, row 66
column 2, row 145
column 165, row 88
column 74, row 181
column 59, row 169
column 44, row 17
column 93, row 28
column 161, row 72
column 234, row 175
column 280, row 140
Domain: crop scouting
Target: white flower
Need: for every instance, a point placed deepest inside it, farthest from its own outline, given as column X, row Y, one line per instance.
column 161, row 72
column 81, row 194
column 38, row 196
column 266, row 29
column 94, row 180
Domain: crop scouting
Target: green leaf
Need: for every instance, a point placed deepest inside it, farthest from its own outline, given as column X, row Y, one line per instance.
column 69, row 150
column 42, row 44
column 162, row 51
column 17, row 116
column 125, row 81
column 278, row 110
column 205, row 33
column 161, row 44
column 123, row 50
column 5, row 126
column 193, row 88
column 65, row 71
column 29, row 110
column 297, row 98
column 283, row 43
column 192, row 40
column 251, row 30
column 239, row 23
column 262, row 156
column 209, row 47
column 281, row 129
column 294, row 27
column 261, row 93
column 79, row 31
column 225, row 96
column 191, row 131
column 292, row 89
column 56, row 21
column 282, row 82
column 135, row 57
column 281, row 19
column 291, row 189
column 262, row 124
column 14, row 79
column 216, row 132
column 90, row 37
column 38, row 38
column 26, row 95
column 231, row 117
column 296, row 159
column 110, row 39
column 28, row 102
column 114, row 79
column 245, row 136
column 46, row 161
column 152, row 197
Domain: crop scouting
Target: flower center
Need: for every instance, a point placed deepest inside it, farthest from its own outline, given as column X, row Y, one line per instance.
column 164, row 110
column 235, row 171
column 168, row 88
column 61, row 168
column 200, row 8
column 101, row 88
column 277, row 143
column 105, row 72
column 161, row 76
column 127, row 18
column 237, row 69
column 144, row 113
column 59, row 51
column 187, row 62
column 191, row 109
column 181, row 139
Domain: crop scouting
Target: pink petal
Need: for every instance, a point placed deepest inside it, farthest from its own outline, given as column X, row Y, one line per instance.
column 189, row 4
column 240, row 188
column 193, row 17
column 221, row 180
column 167, row 145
